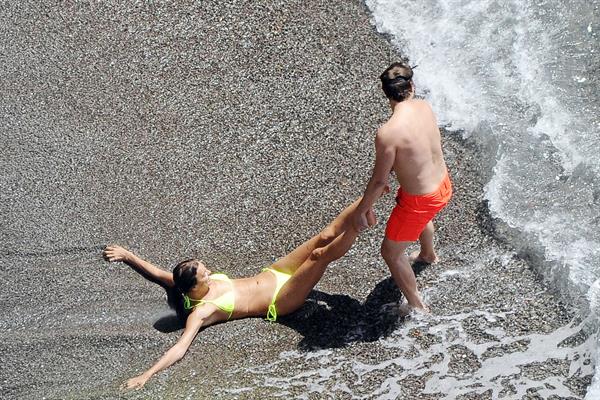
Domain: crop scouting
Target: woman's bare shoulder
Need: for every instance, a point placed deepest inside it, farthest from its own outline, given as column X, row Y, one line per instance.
column 206, row 314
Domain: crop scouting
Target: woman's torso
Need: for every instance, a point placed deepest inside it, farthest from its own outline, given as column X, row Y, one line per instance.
column 252, row 295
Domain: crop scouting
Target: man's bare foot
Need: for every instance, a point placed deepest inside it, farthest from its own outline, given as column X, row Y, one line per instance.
column 422, row 310
column 406, row 309
column 417, row 257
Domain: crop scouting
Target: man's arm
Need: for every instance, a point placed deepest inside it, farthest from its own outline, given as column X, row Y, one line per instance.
column 385, row 155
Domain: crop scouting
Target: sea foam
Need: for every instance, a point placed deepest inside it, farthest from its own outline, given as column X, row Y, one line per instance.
column 520, row 75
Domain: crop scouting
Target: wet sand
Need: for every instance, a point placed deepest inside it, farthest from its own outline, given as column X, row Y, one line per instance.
column 232, row 132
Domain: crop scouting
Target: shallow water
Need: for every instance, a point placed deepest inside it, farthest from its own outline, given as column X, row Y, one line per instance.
column 522, row 79
column 431, row 348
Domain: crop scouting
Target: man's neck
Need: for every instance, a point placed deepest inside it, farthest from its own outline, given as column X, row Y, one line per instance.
column 394, row 103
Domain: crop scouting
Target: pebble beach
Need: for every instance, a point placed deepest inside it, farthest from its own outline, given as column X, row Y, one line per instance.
column 232, row 131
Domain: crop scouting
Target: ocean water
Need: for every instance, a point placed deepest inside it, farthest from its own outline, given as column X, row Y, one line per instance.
column 522, row 79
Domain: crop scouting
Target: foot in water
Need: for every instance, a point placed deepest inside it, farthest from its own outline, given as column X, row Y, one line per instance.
column 418, row 257
column 406, row 309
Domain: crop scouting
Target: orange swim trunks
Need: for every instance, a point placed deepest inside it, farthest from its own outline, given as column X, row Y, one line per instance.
column 413, row 212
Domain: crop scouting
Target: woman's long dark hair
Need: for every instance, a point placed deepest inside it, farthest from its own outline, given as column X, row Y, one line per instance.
column 184, row 277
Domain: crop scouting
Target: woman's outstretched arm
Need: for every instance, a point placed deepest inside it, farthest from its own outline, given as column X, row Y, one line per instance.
column 147, row 270
column 201, row 316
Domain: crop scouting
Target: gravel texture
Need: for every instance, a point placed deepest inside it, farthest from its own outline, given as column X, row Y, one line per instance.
column 232, row 131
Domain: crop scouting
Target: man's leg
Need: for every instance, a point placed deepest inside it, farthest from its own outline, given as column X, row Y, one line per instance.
column 394, row 254
column 427, row 252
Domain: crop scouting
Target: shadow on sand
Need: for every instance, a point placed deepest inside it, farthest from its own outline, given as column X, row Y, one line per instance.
column 333, row 320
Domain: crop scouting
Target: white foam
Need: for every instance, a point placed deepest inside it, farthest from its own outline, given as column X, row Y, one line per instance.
column 593, row 296
column 315, row 372
column 495, row 65
column 593, row 392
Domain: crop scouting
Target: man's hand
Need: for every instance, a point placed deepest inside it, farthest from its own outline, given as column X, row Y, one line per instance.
column 363, row 220
column 386, row 190
column 114, row 253
column 359, row 221
column 371, row 219
column 136, row 383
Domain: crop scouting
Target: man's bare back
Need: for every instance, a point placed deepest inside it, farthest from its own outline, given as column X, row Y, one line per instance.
column 413, row 132
column 408, row 143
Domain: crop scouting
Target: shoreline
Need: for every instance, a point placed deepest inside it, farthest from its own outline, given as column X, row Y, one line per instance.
column 131, row 138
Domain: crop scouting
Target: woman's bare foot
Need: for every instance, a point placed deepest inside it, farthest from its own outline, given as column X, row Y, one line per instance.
column 418, row 257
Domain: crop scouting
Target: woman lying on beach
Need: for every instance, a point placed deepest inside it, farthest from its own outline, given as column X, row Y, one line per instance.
column 206, row 298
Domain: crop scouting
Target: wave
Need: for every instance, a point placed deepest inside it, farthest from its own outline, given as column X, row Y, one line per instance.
column 521, row 78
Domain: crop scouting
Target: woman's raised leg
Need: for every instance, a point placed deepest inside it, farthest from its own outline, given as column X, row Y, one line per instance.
column 292, row 261
column 294, row 292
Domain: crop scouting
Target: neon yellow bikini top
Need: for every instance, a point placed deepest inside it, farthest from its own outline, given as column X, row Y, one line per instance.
column 225, row 302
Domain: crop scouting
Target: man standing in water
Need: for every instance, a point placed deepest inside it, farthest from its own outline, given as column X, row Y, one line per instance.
column 408, row 143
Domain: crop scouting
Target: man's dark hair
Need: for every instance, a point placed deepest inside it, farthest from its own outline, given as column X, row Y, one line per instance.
column 396, row 81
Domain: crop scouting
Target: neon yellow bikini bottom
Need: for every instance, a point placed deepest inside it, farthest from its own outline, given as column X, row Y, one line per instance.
column 282, row 278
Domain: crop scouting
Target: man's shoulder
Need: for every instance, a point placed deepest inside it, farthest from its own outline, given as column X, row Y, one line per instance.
column 389, row 134
column 391, row 128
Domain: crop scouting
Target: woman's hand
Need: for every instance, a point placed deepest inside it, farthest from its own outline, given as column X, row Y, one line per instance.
column 114, row 253
column 136, row 383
